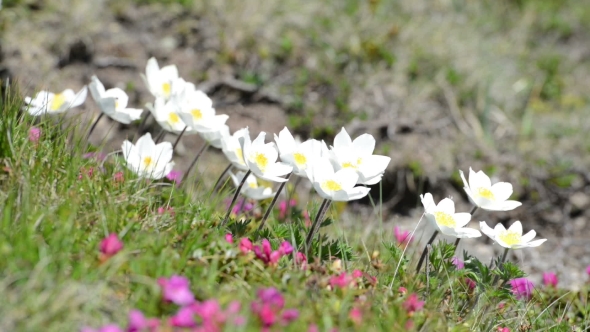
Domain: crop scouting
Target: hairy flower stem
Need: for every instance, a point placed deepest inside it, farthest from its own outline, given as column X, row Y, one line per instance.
column 473, row 209
column 179, row 137
column 500, row 265
column 315, row 227
column 194, row 162
column 218, row 182
column 423, row 256
column 235, row 198
column 273, row 202
column 160, row 136
column 290, row 194
column 141, row 126
column 457, row 243
column 94, row 126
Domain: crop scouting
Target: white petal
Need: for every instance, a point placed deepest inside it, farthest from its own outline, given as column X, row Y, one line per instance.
column 364, row 145
column 487, row 230
column 516, row 227
column 145, row 145
column 446, row 205
column 347, row 178
column 531, row 244
column 528, row 236
column 342, row 140
column 509, row 205
column 428, row 202
column 80, row 97
column 462, row 219
column 466, row 233
column 502, row 191
column 357, row 193
column 285, row 141
column 480, row 180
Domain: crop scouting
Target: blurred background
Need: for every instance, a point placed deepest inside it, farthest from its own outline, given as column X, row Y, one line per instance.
column 500, row 85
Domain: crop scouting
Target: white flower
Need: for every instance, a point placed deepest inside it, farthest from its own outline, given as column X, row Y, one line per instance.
column 48, row 102
column 163, row 82
column 483, row 194
column 232, row 149
column 196, row 110
column 261, row 159
column 299, row 155
column 215, row 137
column 444, row 218
column 166, row 114
column 358, row 156
column 252, row 189
column 147, row 159
column 113, row 102
column 511, row 238
column 335, row 186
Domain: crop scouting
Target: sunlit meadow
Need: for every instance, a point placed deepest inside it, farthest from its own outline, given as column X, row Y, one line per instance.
column 104, row 240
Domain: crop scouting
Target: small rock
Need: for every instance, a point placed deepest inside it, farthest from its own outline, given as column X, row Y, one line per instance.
column 580, row 200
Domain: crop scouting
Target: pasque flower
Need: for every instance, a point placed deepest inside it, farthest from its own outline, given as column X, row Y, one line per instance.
column 232, row 149
column 261, row 159
column 358, row 155
column 443, row 218
column 113, row 102
column 512, row 237
column 166, row 113
column 335, row 186
column 196, row 110
column 161, row 82
column 298, row 155
column 48, row 102
column 252, row 189
column 147, row 159
column 483, row 194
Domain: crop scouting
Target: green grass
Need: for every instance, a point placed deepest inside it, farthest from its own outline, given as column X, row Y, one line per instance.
column 54, row 215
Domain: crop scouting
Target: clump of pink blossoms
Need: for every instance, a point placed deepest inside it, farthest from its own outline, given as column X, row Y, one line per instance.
column 269, row 309
column 264, row 251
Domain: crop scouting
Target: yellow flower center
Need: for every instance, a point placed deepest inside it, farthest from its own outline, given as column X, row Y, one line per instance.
column 197, row 115
column 57, row 102
column 331, row 185
column 348, row 165
column 485, row 193
column 300, row 159
column 253, row 185
column 510, row 238
column 173, row 118
column 445, row 219
column 147, row 162
column 261, row 161
column 166, row 88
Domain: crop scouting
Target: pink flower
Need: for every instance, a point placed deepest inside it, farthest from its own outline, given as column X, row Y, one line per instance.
column 289, row 315
column 175, row 176
column 118, row 177
column 111, row 245
column 470, row 283
column 241, row 206
column 313, row 328
column 458, row 263
column 245, row 245
column 402, row 290
column 503, row 329
column 264, row 253
column 185, row 317
column 286, row 248
column 588, row 270
column 88, row 172
column 138, row 322
column 269, row 308
column 106, row 328
column 356, row 315
column 357, row 274
column 283, row 208
column 412, row 303
column 522, row 288
column 342, row 280
column 34, row 134
column 176, row 290
column 229, row 238
column 402, row 237
column 550, row 279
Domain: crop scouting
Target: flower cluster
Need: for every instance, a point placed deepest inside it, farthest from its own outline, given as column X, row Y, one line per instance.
column 270, row 309
column 264, row 251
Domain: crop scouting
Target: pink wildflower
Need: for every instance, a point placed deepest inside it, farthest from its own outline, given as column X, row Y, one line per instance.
column 269, row 308
column 185, row 317
column 470, row 283
column 458, row 263
column 588, row 270
column 138, row 322
column 118, row 177
column 412, row 303
column 402, row 237
column 86, row 171
column 313, row 328
column 175, row 176
column 245, row 245
column 106, row 328
column 503, row 329
column 229, row 238
column 343, row 280
column 522, row 288
column 34, row 134
column 176, row 290
column 110, row 245
column 357, row 274
column 402, row 290
column 286, row 248
column 264, row 253
column 283, row 207
column 550, row 279
column 356, row 315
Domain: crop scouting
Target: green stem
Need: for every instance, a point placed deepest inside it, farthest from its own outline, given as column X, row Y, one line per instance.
column 315, row 227
column 235, row 198
column 425, row 251
column 218, row 182
column 501, row 264
column 273, row 202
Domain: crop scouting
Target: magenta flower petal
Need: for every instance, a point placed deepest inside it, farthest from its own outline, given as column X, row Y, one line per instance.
column 34, row 134
column 550, row 279
column 522, row 288
column 176, row 290
column 412, row 303
column 111, row 245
